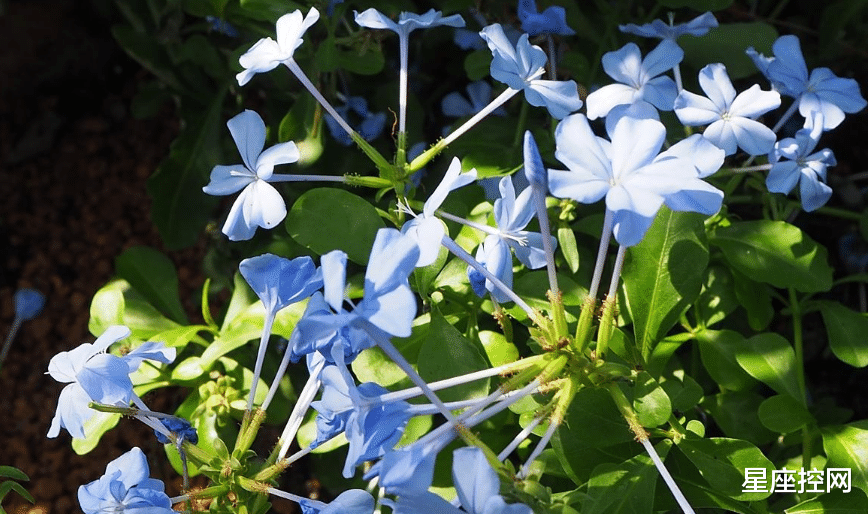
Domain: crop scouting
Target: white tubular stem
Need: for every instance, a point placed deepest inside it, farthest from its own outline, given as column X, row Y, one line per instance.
column 540, row 446
column 605, row 235
column 306, row 178
column 518, row 439
column 308, row 393
column 449, row 382
column 300, row 75
column 260, row 357
column 404, row 47
column 497, row 102
column 676, row 492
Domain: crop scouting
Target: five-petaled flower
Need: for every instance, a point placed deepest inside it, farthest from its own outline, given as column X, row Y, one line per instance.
column 794, row 161
column 698, row 26
column 267, row 53
column 731, row 119
column 259, row 204
column 94, row 375
column 553, row 19
column 125, row 487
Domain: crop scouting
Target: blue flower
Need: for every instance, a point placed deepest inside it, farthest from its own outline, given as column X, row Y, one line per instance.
column 182, row 429
column 387, row 308
column 630, row 174
column 731, row 119
column 640, row 80
column 267, row 54
column 259, row 204
column 94, row 375
column 698, row 26
column 426, row 229
column 369, row 127
column 821, row 91
column 372, row 427
column 804, row 166
column 511, row 214
column 279, row 281
column 407, row 22
column 222, row 26
column 520, row 66
column 125, row 486
column 553, row 20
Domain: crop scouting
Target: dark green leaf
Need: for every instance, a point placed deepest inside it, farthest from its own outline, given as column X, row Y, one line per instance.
column 153, row 275
column 477, row 64
column 754, row 297
column 835, row 502
column 179, row 207
column 718, row 350
column 5, row 487
column 717, row 298
column 776, row 253
column 727, row 44
column 663, row 275
column 326, row 219
column 736, row 414
column 13, row 473
column 625, row 488
column 697, row 5
column 847, row 331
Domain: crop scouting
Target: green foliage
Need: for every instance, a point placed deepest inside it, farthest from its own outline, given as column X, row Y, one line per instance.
column 9, row 485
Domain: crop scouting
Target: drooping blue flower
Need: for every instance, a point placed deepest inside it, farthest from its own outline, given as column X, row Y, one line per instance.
column 125, row 487
column 222, row 26
column 553, row 20
column 267, row 54
column 511, row 214
column 407, row 22
column 182, row 429
column 28, row 303
column 426, row 229
column 278, row 281
column 630, row 174
column 802, row 165
column 94, row 375
column 371, row 426
column 520, row 66
column 387, row 308
column 370, row 124
column 821, row 91
column 698, row 26
column 640, row 81
column 259, row 204
column 731, row 119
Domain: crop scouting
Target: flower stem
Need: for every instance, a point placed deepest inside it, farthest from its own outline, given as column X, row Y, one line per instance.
column 607, row 319
column 297, row 416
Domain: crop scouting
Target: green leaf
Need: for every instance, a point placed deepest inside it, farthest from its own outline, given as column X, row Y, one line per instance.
column 477, row 64
column 754, row 297
column 783, row 414
column 568, row 248
column 13, row 473
column 650, row 401
column 593, row 433
column 94, row 428
column 326, row 219
column 776, row 253
column 847, row 447
column 735, row 412
column 696, row 5
column 5, row 487
column 625, row 488
column 846, row 330
column 682, row 390
column 770, row 359
column 727, row 44
column 498, row 350
column 446, row 354
column 370, row 62
column 718, row 351
column 268, row 10
column 179, row 208
column 242, row 298
column 835, row 502
column 722, row 462
column 663, row 275
column 107, row 307
column 153, row 275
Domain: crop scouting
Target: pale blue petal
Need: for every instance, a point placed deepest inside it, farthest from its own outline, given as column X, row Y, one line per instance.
column 580, row 185
column 248, row 131
column 694, row 110
column 263, row 56
column 660, row 92
column 395, row 256
column 645, row 202
column 392, row 312
column 663, row 58
column 580, row 150
column 353, row 501
column 754, row 102
column 427, row 232
column 497, row 505
column 281, row 153
column 753, row 137
column 494, row 254
column 629, row 228
column 624, row 65
column 531, row 254
column 334, row 271
column 699, row 151
column 715, row 82
column 788, row 71
column 278, row 281
column 783, row 177
column 560, row 97
column 421, row 503
column 814, row 194
column 374, row 19
column 811, row 103
column 452, row 180
column 264, row 207
column 635, row 143
column 149, row 350
column 603, row 100
column 72, row 412
column 237, row 227
column 696, row 196
column 722, row 134
column 504, row 207
column 227, row 180
column 640, row 110
column 534, row 170
column 106, row 379
column 290, row 28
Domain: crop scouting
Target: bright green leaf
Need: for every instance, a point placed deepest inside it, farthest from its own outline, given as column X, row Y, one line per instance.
column 625, row 488
column 835, row 502
column 770, row 359
column 718, row 351
column 568, row 248
column 663, row 275
column 94, row 428
column 727, row 44
column 650, row 401
column 722, row 462
column 446, row 353
column 847, row 447
column 735, row 412
column 847, row 331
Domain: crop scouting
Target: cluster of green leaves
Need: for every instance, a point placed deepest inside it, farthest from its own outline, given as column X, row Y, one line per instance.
column 712, row 313
column 11, row 485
